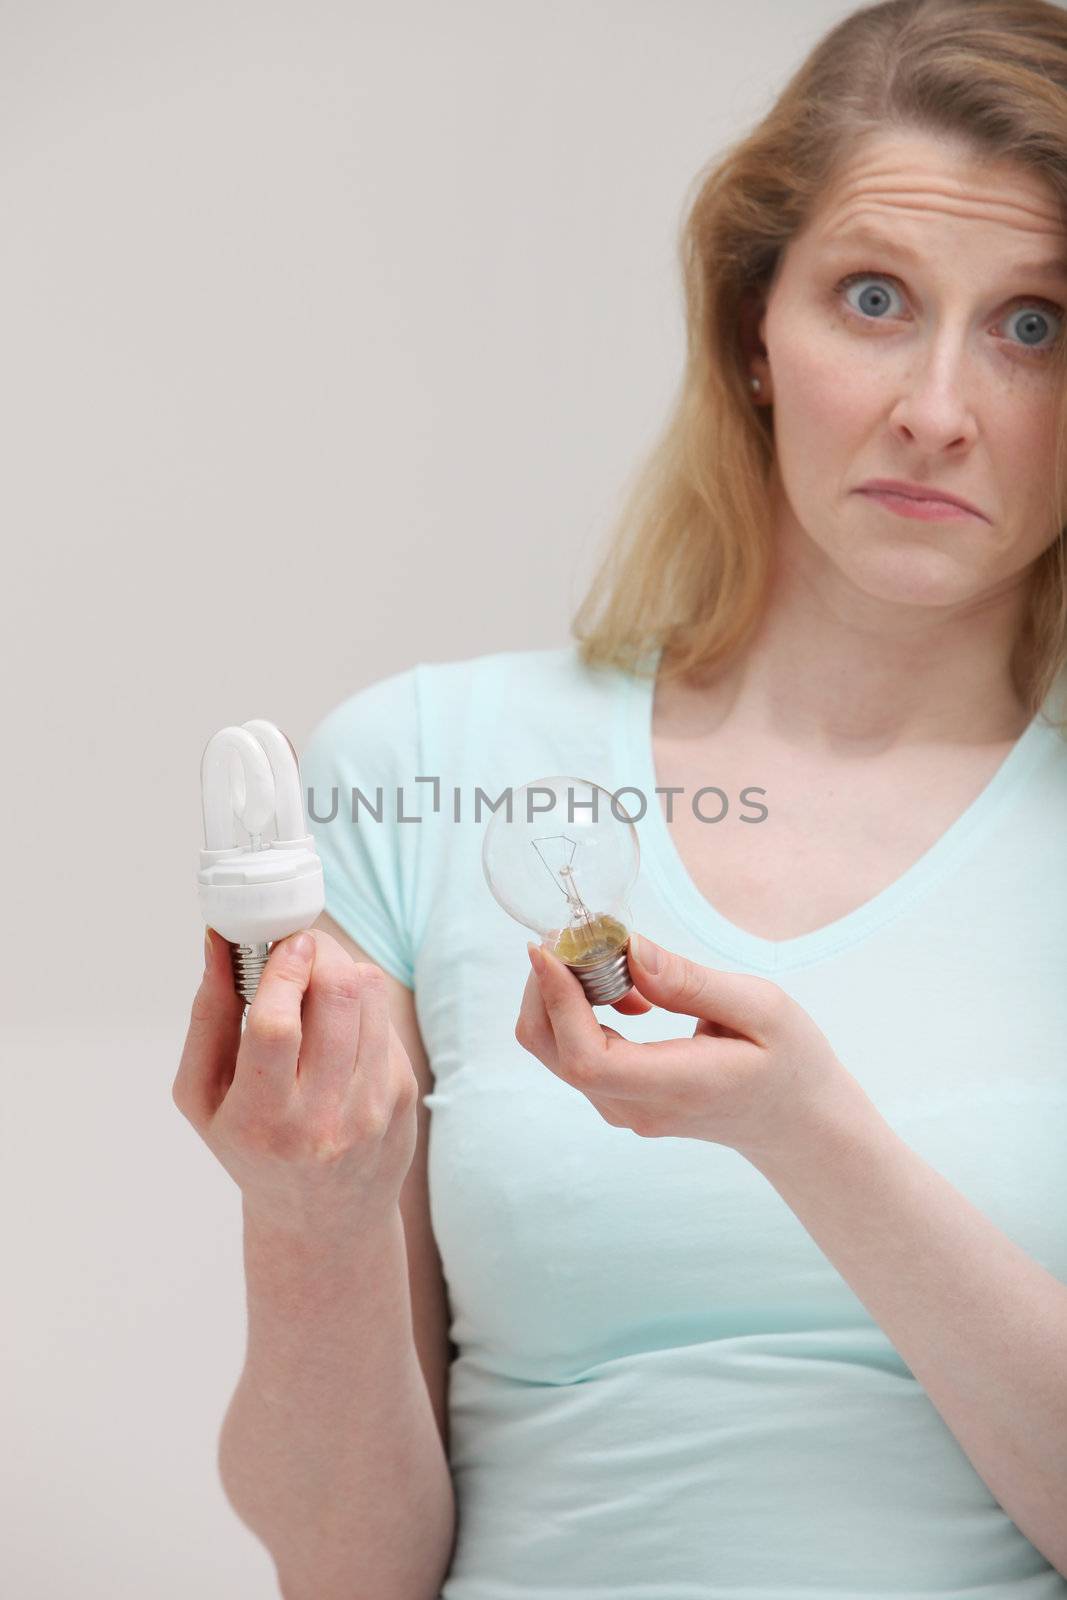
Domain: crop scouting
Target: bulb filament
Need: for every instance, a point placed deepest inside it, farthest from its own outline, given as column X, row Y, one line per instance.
column 588, row 936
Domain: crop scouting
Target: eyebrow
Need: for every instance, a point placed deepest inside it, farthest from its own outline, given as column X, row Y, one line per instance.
column 1053, row 268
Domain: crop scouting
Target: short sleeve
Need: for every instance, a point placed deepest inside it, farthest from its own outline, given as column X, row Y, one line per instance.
column 358, row 774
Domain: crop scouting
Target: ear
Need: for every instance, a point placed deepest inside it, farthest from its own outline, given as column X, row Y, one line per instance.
column 752, row 318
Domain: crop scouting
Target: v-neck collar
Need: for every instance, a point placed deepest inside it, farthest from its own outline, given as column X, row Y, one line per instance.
column 635, row 762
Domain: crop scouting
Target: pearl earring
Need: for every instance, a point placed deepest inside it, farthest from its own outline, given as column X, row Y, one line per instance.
column 755, row 385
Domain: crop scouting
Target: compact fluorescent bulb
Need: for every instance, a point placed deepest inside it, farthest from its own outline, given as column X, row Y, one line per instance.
column 256, row 894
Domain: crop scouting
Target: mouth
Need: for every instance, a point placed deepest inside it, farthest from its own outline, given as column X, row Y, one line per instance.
column 913, row 500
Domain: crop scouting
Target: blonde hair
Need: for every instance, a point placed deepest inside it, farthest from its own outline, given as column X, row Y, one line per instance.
column 689, row 558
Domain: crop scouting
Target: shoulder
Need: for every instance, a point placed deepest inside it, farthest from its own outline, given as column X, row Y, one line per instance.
column 383, row 710
column 502, row 667
column 498, row 667
column 526, row 687
column 523, row 676
column 500, row 694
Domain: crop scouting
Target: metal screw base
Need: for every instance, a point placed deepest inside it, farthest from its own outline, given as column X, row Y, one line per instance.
column 248, row 963
column 607, row 980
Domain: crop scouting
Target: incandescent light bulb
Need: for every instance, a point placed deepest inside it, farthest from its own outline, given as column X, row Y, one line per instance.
column 562, row 859
column 255, row 894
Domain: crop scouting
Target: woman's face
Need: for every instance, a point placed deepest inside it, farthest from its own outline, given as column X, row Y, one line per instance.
column 928, row 367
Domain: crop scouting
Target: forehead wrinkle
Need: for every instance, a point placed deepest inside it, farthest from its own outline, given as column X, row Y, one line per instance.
column 878, row 180
column 1053, row 268
column 1009, row 211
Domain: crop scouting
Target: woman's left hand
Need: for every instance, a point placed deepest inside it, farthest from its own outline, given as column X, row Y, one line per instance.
column 757, row 1074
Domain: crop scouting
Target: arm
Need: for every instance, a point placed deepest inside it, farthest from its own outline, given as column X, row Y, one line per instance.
column 330, row 1451
column 334, row 1450
column 981, row 1325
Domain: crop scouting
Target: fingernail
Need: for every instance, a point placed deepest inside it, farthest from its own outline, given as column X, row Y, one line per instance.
column 647, row 953
column 303, row 946
column 537, row 960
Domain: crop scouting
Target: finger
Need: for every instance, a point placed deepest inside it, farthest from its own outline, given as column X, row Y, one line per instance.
column 375, row 1055
column 581, row 1041
column 270, row 1045
column 715, row 1030
column 739, row 1000
column 330, row 1020
column 538, row 1027
column 633, row 1003
column 534, row 1026
column 206, row 1068
column 686, row 1067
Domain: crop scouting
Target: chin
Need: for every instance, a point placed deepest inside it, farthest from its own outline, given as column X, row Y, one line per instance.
column 926, row 577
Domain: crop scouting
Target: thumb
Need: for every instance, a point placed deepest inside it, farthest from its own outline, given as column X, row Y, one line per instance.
column 736, row 1000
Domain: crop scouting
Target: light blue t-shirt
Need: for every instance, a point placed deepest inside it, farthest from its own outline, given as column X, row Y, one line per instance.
column 663, row 1389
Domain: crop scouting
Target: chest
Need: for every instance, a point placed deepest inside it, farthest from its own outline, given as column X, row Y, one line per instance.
column 791, row 843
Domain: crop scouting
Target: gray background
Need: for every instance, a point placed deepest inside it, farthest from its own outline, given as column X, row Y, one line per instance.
column 332, row 335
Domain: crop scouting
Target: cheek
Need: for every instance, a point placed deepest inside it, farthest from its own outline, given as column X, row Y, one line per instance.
column 1025, row 442
column 820, row 373
column 826, row 403
column 1018, row 425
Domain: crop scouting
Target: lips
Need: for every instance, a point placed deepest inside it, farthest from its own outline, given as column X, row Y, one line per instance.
column 918, row 491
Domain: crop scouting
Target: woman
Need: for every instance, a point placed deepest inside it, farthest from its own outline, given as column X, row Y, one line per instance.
column 768, row 1297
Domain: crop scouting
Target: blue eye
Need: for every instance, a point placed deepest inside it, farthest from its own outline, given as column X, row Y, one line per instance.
column 1028, row 317
column 875, row 298
column 873, row 303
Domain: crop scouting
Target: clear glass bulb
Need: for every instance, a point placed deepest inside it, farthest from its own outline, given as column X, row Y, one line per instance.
column 562, row 862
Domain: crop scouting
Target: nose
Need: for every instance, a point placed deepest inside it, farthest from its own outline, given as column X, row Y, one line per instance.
column 934, row 408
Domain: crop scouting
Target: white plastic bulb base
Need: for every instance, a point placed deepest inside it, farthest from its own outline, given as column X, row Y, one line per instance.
column 256, row 897
column 260, row 896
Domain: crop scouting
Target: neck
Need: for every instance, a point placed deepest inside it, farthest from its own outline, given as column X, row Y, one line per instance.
column 831, row 668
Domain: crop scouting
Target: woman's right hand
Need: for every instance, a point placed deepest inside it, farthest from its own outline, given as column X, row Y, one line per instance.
column 311, row 1107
